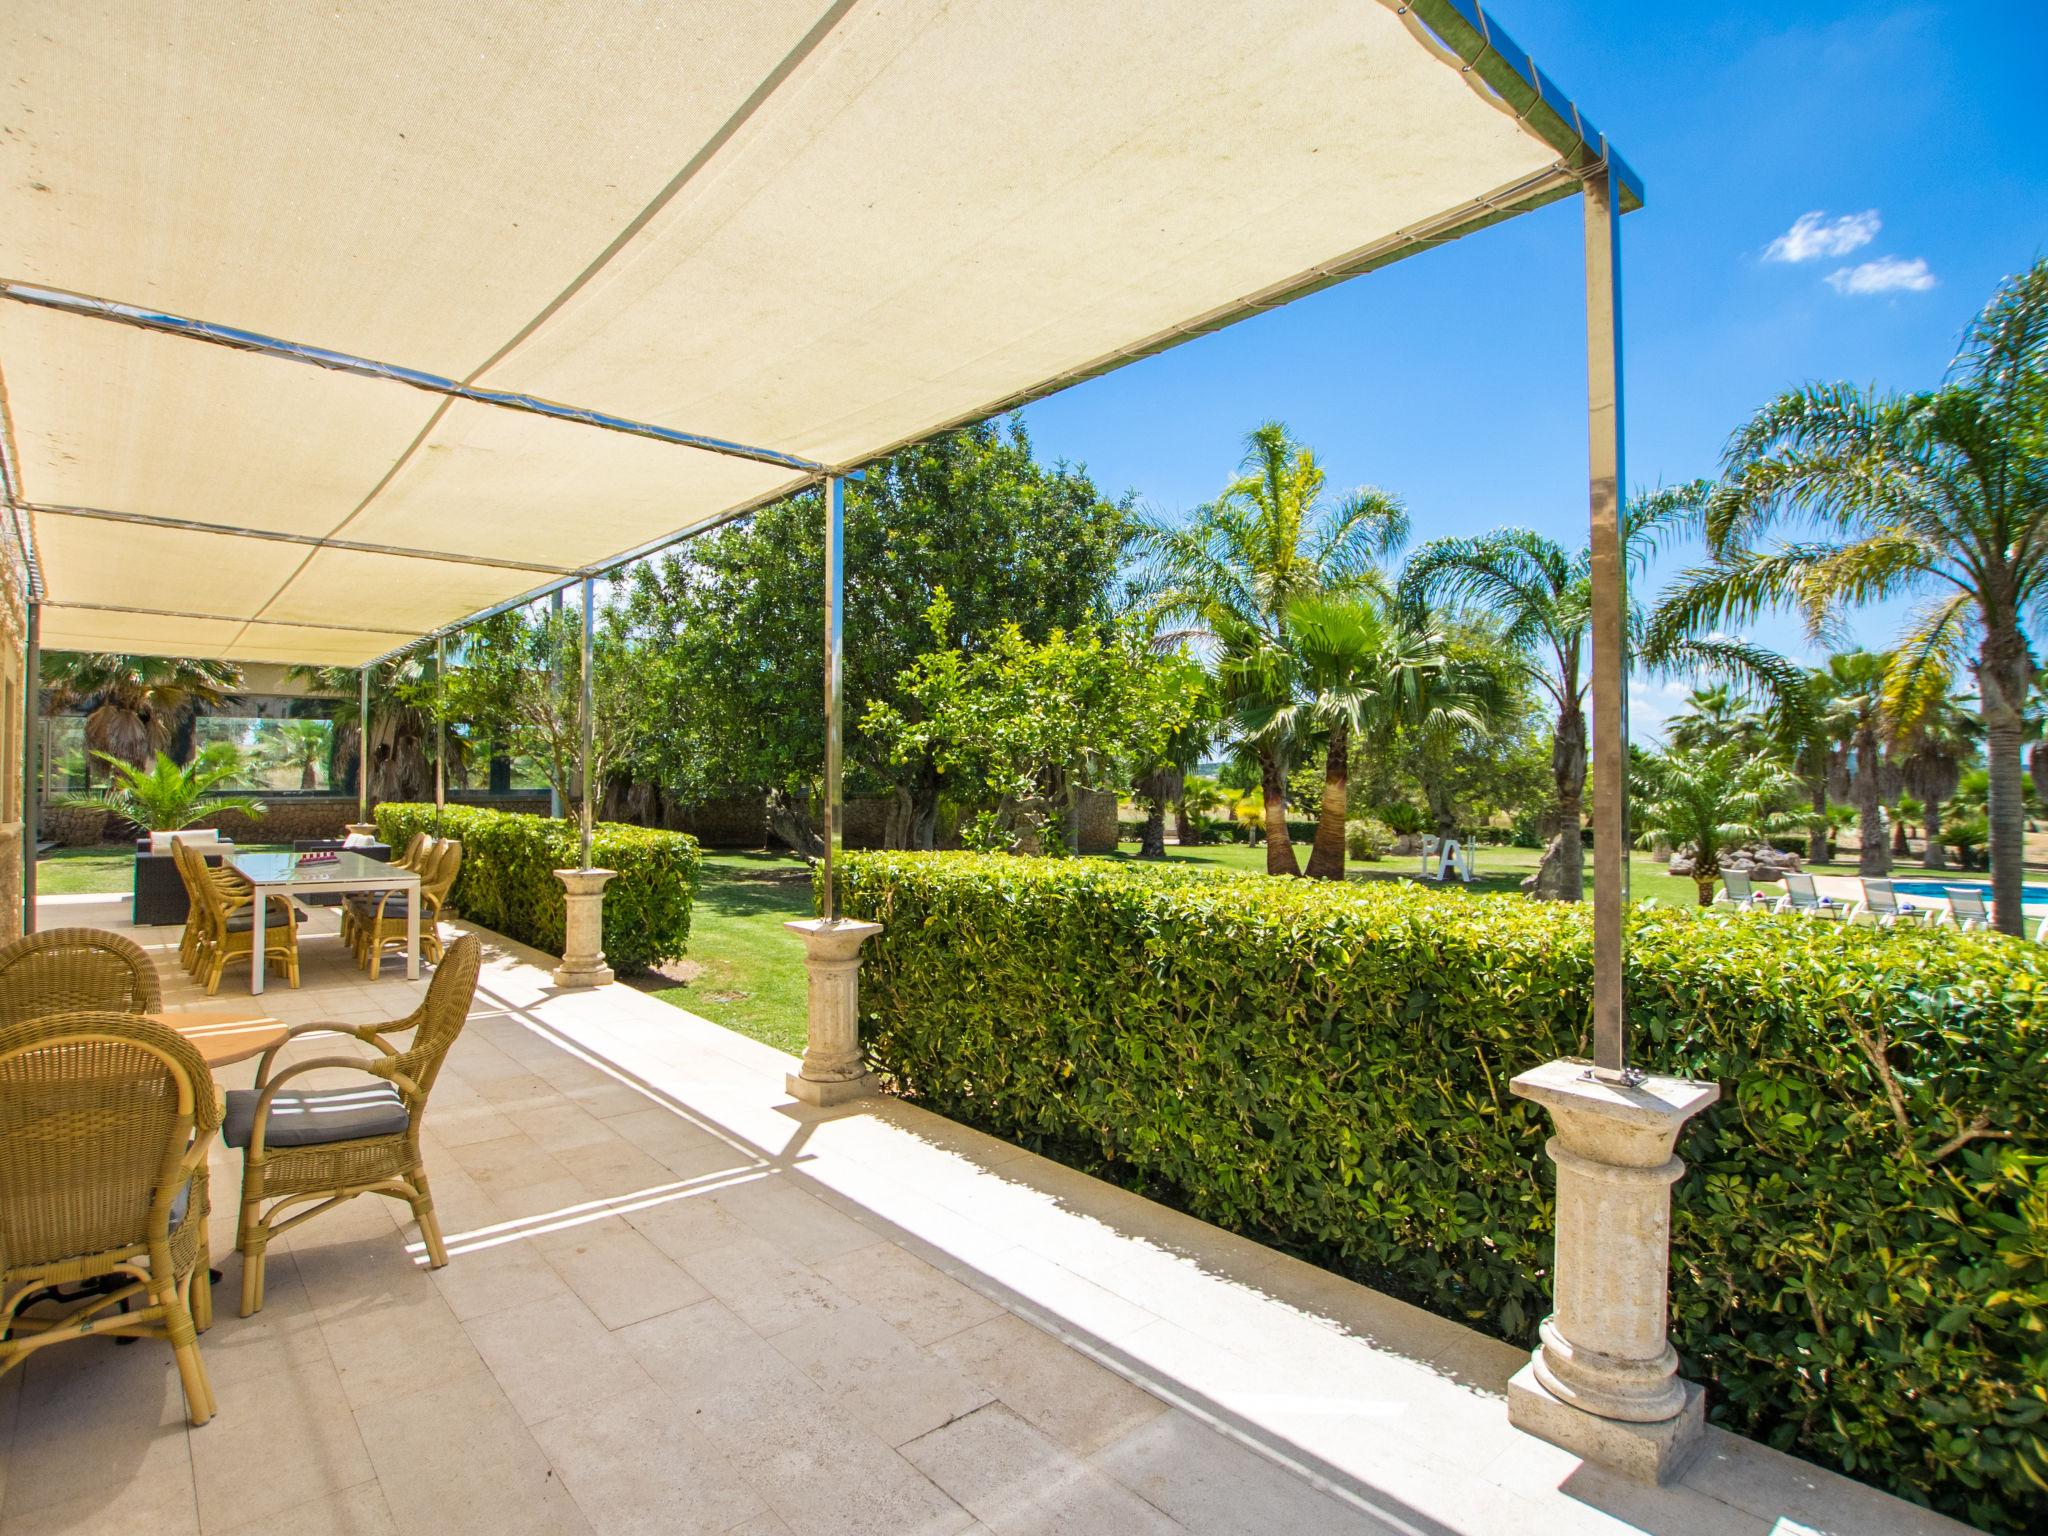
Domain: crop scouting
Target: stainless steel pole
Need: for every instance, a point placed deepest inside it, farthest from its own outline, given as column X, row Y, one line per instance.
column 589, row 720
column 440, row 726
column 1610, row 625
column 31, row 769
column 835, row 603
column 554, row 678
column 363, row 747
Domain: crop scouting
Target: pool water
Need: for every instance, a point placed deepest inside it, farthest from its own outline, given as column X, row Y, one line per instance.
column 2030, row 895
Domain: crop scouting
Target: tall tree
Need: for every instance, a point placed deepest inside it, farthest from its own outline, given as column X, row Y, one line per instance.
column 401, row 725
column 134, row 704
column 1856, row 716
column 731, row 624
column 1231, row 572
column 1715, row 714
column 1932, row 756
column 1940, row 495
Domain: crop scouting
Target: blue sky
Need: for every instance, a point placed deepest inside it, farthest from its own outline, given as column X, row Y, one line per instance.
column 1457, row 378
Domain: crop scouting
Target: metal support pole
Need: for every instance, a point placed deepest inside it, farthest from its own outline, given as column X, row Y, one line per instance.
column 31, row 769
column 1610, row 625
column 363, row 747
column 589, row 720
column 835, row 604
column 440, row 725
column 554, row 677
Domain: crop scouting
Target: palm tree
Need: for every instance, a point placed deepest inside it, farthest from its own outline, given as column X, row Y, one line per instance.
column 1932, row 756
column 164, row 797
column 401, row 725
column 1857, row 720
column 1229, row 574
column 1940, row 495
column 303, row 745
column 1710, row 799
column 1367, row 668
column 1714, row 714
column 134, row 704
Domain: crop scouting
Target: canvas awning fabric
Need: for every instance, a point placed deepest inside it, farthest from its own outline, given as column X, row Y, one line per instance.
column 823, row 229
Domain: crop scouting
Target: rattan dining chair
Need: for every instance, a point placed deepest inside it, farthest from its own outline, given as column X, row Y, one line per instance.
column 356, row 904
column 380, row 915
column 318, row 1147
column 63, row 970
column 228, row 924
column 105, row 1123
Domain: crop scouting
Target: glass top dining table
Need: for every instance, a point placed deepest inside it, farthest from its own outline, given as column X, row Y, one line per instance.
column 344, row 870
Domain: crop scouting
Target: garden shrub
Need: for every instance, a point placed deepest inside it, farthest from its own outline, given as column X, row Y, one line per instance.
column 1367, row 839
column 508, row 883
column 1860, row 1249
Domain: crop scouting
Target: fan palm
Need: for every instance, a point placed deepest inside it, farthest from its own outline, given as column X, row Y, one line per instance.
column 1932, row 755
column 1228, row 575
column 1714, row 714
column 1709, row 800
column 301, row 746
column 401, row 725
column 1940, row 495
column 134, row 704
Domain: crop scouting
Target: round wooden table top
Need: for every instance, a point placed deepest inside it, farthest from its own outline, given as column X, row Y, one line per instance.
column 225, row 1036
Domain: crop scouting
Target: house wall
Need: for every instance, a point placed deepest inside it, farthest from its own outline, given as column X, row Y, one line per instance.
column 13, row 703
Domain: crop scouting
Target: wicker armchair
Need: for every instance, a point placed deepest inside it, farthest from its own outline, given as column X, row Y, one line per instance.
column 358, row 905
column 105, row 1122
column 318, row 1147
column 64, row 970
column 378, row 918
column 227, row 929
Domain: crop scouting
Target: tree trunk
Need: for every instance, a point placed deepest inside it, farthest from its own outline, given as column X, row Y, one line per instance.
column 1874, row 854
column 1273, row 784
column 1706, row 886
column 1183, row 825
column 1817, row 834
column 1562, row 874
column 1900, row 847
column 1152, row 840
column 1933, row 855
column 2002, row 672
column 1326, row 858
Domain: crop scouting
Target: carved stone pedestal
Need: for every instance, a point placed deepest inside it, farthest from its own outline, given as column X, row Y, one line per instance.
column 583, row 938
column 833, row 1070
column 1604, row 1382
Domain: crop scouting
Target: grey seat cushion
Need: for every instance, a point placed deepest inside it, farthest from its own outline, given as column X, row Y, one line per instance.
column 316, row 1117
column 244, row 922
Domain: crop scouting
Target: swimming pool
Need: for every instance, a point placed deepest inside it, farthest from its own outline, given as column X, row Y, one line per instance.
column 2030, row 895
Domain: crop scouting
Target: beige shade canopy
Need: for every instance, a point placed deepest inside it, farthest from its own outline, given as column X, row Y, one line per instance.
column 819, row 229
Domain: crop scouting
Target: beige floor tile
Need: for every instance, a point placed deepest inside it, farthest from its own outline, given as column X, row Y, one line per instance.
column 100, row 1431
column 771, row 1524
column 394, row 1348
column 688, row 1224
column 797, row 1222
column 500, row 1272
column 614, row 1167
column 507, row 1164
column 618, row 1273
column 280, row 1440
column 878, row 1378
column 553, row 1356
column 1215, row 1486
column 694, row 1352
column 1020, row 1483
column 768, row 1291
column 910, row 1295
column 637, row 1466
column 359, row 1511
column 1082, row 1405
column 456, row 1460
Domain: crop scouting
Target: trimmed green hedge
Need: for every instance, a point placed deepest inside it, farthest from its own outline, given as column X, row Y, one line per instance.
column 508, row 882
column 1860, row 1256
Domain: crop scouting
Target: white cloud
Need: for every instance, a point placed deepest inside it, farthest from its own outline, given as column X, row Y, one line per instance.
column 1814, row 235
column 1887, row 274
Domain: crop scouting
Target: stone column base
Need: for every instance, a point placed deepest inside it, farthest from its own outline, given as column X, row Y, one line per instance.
column 1643, row 1453
column 583, row 962
column 834, row 1070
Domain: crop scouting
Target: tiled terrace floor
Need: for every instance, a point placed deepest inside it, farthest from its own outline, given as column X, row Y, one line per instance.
column 679, row 1303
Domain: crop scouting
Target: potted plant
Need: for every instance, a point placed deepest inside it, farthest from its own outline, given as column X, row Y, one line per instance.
column 165, row 798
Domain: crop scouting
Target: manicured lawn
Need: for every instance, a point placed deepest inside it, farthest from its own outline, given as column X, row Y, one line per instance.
column 85, row 871
column 746, row 971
